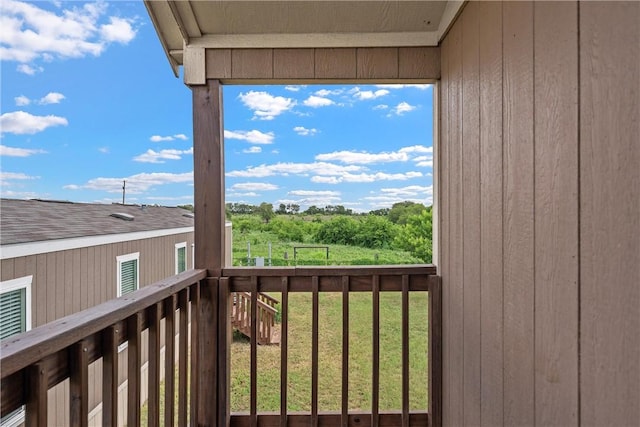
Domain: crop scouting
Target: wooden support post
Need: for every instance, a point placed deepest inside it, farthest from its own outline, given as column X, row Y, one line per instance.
column 208, row 176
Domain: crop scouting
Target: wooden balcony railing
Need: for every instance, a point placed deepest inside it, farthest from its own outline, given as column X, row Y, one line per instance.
column 403, row 279
column 34, row 362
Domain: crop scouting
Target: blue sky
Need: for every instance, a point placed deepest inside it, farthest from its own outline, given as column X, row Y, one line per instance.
column 89, row 100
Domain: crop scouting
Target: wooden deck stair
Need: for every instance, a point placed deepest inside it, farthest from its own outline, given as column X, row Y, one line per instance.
column 268, row 333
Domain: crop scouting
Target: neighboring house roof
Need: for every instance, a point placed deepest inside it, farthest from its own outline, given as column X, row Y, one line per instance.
column 25, row 221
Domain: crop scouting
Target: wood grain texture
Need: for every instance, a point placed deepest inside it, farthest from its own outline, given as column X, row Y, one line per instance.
column 110, row 376
column 252, row 63
column 377, row 63
column 224, row 351
column 556, row 213
column 470, row 211
column 79, row 385
column 170, row 360
column 419, row 62
column 518, row 214
column 610, row 213
column 445, row 243
column 293, row 63
column 284, row 348
column 133, row 370
column 37, row 397
column 491, row 300
column 154, row 314
column 218, row 63
column 208, row 179
column 208, row 351
column 335, row 63
column 456, row 312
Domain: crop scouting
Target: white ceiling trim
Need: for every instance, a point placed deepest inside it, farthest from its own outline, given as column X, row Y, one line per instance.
column 451, row 11
column 315, row 40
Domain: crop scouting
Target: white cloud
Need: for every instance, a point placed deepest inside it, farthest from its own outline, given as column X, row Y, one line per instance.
column 32, row 33
column 266, row 106
column 170, row 198
column 355, row 157
column 327, row 92
column 28, row 69
column 251, row 136
column 253, row 186
column 159, row 138
column 19, row 152
column 401, row 108
column 381, row 107
column 240, row 194
column 317, row 101
column 285, row 169
column 118, row 30
column 319, row 200
column 409, row 191
column 103, row 150
column 303, row 131
column 20, row 122
column 22, row 100
column 136, row 184
column 151, row 156
column 365, row 95
column 313, row 193
column 367, row 177
column 11, row 176
column 252, row 150
column 295, row 88
column 51, row 98
column 416, row 149
column 425, row 164
column 326, row 179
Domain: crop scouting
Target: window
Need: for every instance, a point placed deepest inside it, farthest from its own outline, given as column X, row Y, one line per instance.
column 181, row 257
column 15, row 317
column 128, row 273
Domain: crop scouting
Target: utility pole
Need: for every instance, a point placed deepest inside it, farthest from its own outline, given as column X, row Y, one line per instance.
column 124, row 185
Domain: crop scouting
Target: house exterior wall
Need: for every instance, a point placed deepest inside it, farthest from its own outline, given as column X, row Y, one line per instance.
column 540, row 214
column 69, row 281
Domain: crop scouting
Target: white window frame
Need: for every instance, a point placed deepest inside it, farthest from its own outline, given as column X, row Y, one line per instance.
column 124, row 258
column 193, row 255
column 177, row 247
column 17, row 418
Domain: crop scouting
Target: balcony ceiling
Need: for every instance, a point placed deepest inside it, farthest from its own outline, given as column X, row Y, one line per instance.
column 298, row 24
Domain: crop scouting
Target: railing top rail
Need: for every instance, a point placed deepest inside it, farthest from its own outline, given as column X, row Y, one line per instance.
column 26, row 349
column 365, row 270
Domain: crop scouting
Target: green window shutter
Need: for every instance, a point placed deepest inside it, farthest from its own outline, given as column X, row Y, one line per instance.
column 13, row 313
column 182, row 259
column 128, row 276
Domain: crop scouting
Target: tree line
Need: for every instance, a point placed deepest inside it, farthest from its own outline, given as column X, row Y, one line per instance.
column 405, row 226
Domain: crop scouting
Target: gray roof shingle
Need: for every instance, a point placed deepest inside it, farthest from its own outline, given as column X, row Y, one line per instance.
column 23, row 221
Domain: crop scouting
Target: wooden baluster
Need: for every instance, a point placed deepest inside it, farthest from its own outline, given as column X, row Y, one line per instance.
column 169, row 359
column 183, row 304
column 375, row 381
column 153, row 407
column 405, row 350
column 435, row 351
column 224, row 352
column 314, row 351
column 79, row 384
column 253, row 404
column 284, row 351
column 37, row 395
column 195, row 308
column 110, row 375
column 133, row 370
column 344, row 419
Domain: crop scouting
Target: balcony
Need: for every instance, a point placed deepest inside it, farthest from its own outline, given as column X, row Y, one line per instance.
column 197, row 310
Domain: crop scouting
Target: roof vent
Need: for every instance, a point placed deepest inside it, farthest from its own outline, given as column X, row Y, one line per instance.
column 123, row 216
column 188, row 215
